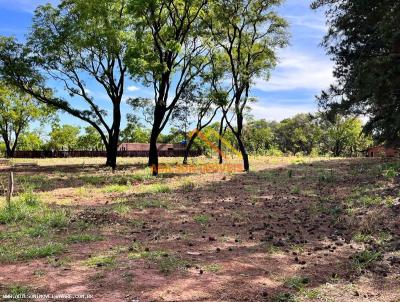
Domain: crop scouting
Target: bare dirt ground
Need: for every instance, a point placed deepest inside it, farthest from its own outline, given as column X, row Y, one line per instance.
column 294, row 229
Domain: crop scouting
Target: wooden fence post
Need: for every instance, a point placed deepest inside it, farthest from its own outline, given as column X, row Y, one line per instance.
column 10, row 190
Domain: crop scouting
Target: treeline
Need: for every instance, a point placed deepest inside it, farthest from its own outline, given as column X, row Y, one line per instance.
column 196, row 56
column 304, row 134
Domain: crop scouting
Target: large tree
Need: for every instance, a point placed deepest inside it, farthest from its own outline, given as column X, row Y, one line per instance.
column 258, row 136
column 342, row 136
column 248, row 32
column 300, row 133
column 364, row 41
column 17, row 111
column 170, row 54
column 90, row 140
column 76, row 43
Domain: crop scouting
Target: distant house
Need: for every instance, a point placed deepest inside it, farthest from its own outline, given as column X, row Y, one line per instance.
column 383, row 151
column 146, row 147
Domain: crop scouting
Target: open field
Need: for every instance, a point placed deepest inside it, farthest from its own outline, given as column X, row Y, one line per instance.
column 293, row 229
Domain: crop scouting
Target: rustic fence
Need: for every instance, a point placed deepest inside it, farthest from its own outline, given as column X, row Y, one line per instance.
column 66, row 154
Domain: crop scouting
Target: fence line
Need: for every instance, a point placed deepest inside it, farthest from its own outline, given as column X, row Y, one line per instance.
column 66, row 154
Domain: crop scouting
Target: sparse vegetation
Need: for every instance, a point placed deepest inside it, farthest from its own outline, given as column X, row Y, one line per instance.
column 202, row 219
column 100, row 261
column 365, row 259
column 192, row 232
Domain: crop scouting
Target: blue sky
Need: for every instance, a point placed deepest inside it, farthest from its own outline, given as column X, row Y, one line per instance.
column 303, row 71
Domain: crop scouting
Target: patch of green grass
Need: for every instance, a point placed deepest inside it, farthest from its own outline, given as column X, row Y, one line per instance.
column 30, row 199
column 389, row 201
column 37, row 231
column 365, row 259
column 364, row 198
column 202, row 219
column 33, row 182
column 284, row 297
column 157, row 188
column 18, row 290
column 362, row 237
column 166, row 263
column 29, row 210
column 94, row 180
column 298, row 248
column 79, row 238
column 212, row 268
column 326, row 176
column 383, row 237
column 390, row 170
column 272, row 249
column 296, row 282
column 101, row 261
column 151, row 204
column 188, row 186
column 310, row 294
column 13, row 252
column 49, row 249
column 55, row 218
column 115, row 188
column 295, row 190
column 122, row 208
column 137, row 223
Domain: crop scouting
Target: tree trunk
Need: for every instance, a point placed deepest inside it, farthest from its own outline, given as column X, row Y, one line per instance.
column 245, row 156
column 112, row 152
column 153, row 153
column 159, row 113
column 188, row 147
column 113, row 138
column 9, row 152
column 221, row 130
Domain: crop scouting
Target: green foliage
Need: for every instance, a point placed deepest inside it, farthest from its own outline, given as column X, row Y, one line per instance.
column 30, row 141
column 17, row 111
column 363, row 40
column 90, row 140
column 343, row 136
column 298, row 134
column 135, row 134
column 258, row 136
column 63, row 138
column 75, row 43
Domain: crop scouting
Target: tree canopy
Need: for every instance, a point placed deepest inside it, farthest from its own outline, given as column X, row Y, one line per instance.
column 364, row 41
column 74, row 43
column 18, row 111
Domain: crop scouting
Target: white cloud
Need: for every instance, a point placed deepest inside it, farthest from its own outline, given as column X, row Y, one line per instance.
column 25, row 5
column 297, row 70
column 278, row 112
column 133, row 88
column 310, row 21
